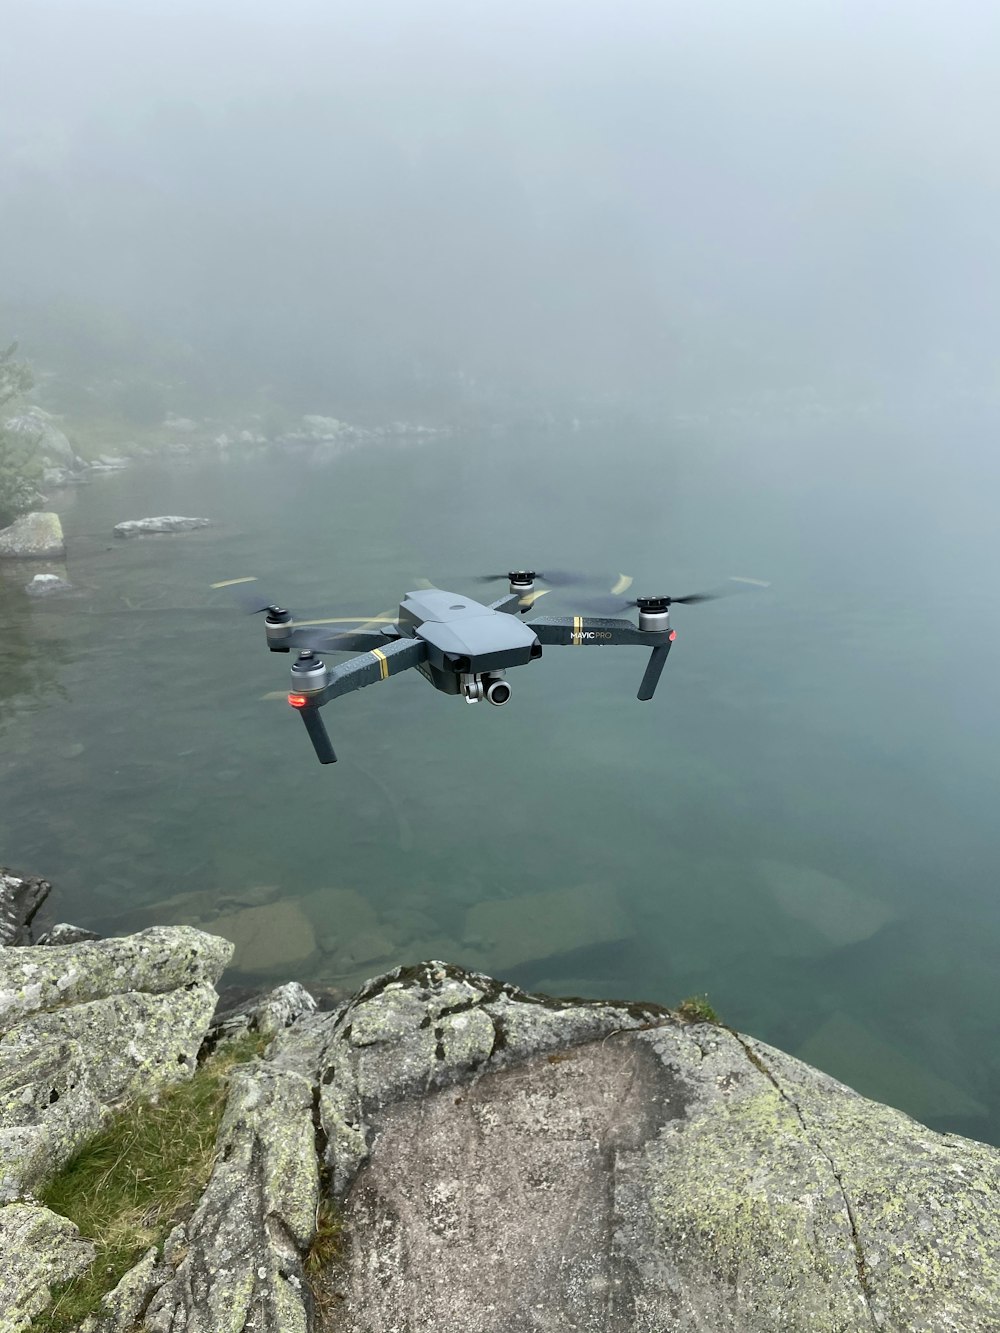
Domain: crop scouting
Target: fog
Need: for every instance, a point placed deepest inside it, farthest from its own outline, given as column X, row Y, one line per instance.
column 458, row 208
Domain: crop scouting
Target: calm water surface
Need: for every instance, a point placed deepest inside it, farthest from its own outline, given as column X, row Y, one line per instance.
column 801, row 824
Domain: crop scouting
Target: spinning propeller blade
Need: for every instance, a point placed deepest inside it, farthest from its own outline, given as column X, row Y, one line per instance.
column 613, row 606
column 348, row 641
column 559, row 578
column 250, row 599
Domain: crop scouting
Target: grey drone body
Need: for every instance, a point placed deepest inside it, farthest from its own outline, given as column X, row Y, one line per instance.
column 461, row 646
column 466, row 641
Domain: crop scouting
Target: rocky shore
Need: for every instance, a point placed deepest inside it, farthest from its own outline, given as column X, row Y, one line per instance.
column 497, row 1160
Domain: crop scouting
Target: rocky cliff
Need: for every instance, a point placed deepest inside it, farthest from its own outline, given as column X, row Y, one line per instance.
column 499, row 1162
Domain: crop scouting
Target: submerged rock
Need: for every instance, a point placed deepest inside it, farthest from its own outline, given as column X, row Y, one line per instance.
column 269, row 938
column 140, row 527
column 37, row 536
column 839, row 913
column 507, row 932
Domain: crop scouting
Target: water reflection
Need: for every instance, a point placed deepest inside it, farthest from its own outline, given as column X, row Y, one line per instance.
column 32, row 651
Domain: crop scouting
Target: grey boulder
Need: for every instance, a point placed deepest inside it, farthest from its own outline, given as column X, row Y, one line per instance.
column 506, row 1162
column 45, row 585
column 35, row 536
column 51, row 445
column 38, row 1249
column 20, row 899
column 84, row 1026
column 64, row 933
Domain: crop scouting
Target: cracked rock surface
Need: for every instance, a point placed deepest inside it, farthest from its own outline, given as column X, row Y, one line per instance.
column 509, row 1163
column 242, row 1250
column 37, row 1251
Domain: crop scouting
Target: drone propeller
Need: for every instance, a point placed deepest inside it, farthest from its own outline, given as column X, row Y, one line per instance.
column 559, row 578
column 612, row 606
column 249, row 599
column 252, row 600
column 322, row 641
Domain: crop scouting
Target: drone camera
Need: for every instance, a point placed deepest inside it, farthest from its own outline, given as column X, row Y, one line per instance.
column 498, row 692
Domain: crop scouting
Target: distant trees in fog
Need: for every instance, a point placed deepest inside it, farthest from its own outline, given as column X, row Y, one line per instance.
column 19, row 468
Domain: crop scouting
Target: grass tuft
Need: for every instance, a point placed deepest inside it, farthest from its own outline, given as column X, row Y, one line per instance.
column 320, row 1262
column 696, row 1009
column 138, row 1178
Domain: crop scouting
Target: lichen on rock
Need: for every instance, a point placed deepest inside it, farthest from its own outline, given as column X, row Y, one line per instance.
column 507, row 1162
column 83, row 1026
column 243, row 1248
column 38, row 1249
column 34, row 536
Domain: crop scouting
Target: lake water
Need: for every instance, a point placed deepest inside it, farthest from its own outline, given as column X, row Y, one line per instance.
column 802, row 823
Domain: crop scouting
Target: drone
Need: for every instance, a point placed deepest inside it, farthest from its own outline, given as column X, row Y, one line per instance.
column 461, row 646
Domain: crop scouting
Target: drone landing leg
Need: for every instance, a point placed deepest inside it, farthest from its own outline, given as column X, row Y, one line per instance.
column 653, row 668
column 318, row 735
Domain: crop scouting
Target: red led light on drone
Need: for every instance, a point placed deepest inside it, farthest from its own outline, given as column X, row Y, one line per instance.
column 298, row 700
column 672, row 635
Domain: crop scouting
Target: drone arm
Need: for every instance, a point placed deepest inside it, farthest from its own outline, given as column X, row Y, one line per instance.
column 657, row 660
column 380, row 663
column 518, row 602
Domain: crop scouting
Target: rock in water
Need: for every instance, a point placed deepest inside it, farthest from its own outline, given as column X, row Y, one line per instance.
column 44, row 585
column 37, row 536
column 64, row 933
column 140, row 527
column 840, row 913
